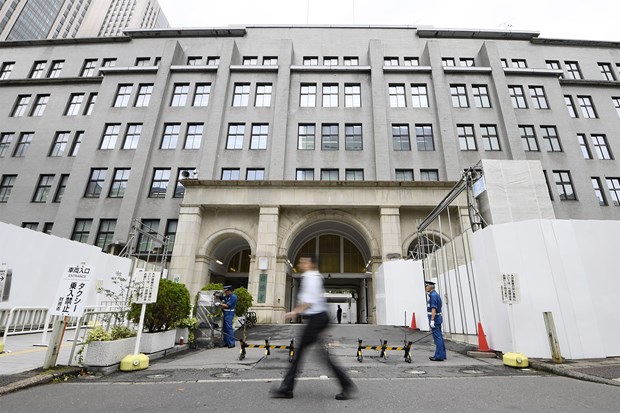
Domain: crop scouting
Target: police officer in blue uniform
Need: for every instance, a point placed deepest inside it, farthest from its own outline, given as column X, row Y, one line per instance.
column 433, row 308
column 228, row 305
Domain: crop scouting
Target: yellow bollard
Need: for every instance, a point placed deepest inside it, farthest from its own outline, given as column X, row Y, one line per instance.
column 134, row 362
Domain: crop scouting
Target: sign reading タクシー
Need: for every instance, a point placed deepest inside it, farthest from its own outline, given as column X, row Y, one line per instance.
column 146, row 286
column 73, row 290
column 509, row 288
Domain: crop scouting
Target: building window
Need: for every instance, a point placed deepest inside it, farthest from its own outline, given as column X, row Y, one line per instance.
column 171, row 233
column 528, row 139
column 354, row 174
column 587, row 107
column 564, row 185
column 467, row 139
column 119, row 183
column 258, row 140
column 353, row 137
column 230, row 174
column 77, row 141
column 44, row 187
column 201, row 96
column 305, row 137
column 270, row 61
column 459, row 96
column 397, row 96
column 490, row 139
column 105, row 234
column 108, row 62
column 110, row 136
column 311, row 61
column 95, row 182
column 598, row 191
column 25, row 139
column 6, row 139
column 570, row 106
column 147, row 244
column 583, row 144
column 572, row 70
column 552, row 64
column 304, row 175
column 448, row 62
column 329, row 175
column 143, row 61
column 330, row 96
column 122, row 96
column 481, row 96
column 352, row 95
column 330, row 61
column 88, row 70
column 616, row 102
column 194, row 136
column 601, row 147
column 504, row 63
column 263, row 95
column 390, row 61
column 400, row 138
column 47, row 228
column 171, row 136
column 235, row 136
column 551, row 139
column 241, row 95
column 308, row 95
column 134, row 130
column 179, row 94
column 60, row 143
column 255, row 174
column 62, row 185
column 37, row 70
column 179, row 189
column 411, row 61
column 75, row 104
column 144, row 95
column 329, row 137
column 6, row 186
column 466, row 62
column 517, row 97
column 40, row 105
column 20, row 106
column 250, row 61
column 424, row 137
column 91, row 104
column 194, row 60
column 81, row 230
column 159, row 184
column 429, row 175
column 5, row 71
column 607, row 71
column 213, row 61
column 56, row 68
column 30, row 225
column 351, row 61
column 519, row 63
column 419, row 96
column 537, row 94
column 613, row 184
column 402, row 175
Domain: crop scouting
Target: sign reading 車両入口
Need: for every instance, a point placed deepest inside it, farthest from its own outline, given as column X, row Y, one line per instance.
column 73, row 290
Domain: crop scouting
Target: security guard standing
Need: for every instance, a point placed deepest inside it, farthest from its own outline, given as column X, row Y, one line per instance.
column 433, row 308
column 229, row 305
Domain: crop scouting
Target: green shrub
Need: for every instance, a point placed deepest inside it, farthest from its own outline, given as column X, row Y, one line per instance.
column 213, row 286
column 119, row 332
column 187, row 322
column 244, row 301
column 172, row 305
column 98, row 334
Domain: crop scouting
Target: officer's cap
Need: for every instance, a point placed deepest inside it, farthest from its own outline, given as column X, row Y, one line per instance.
column 228, row 287
column 428, row 283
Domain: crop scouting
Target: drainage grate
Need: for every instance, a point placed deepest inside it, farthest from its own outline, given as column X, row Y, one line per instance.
column 224, row 374
column 471, row 371
column 418, row 372
column 157, row 376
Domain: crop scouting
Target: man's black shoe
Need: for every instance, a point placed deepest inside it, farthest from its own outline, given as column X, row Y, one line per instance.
column 347, row 393
column 434, row 359
column 280, row 394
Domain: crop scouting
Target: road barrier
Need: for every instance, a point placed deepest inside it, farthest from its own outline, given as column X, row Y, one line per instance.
column 383, row 348
column 268, row 347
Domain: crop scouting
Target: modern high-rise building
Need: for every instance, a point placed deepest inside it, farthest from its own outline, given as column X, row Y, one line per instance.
column 53, row 19
column 332, row 140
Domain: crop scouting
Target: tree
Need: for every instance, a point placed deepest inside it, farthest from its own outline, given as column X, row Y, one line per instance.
column 172, row 305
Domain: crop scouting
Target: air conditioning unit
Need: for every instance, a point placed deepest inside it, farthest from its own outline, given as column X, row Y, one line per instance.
column 190, row 174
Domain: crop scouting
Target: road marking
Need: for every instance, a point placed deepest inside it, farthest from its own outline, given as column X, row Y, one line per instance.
column 27, row 351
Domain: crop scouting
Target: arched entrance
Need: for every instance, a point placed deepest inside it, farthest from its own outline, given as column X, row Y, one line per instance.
column 344, row 259
column 229, row 261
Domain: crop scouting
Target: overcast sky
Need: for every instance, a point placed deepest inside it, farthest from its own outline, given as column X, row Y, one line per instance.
column 569, row 19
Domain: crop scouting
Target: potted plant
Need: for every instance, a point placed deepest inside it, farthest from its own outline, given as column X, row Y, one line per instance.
column 172, row 305
column 184, row 328
column 105, row 348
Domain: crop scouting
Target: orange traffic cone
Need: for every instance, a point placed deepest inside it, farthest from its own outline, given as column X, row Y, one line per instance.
column 482, row 340
column 413, row 324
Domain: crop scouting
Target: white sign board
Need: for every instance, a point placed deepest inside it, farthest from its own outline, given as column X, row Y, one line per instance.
column 509, row 288
column 73, row 290
column 146, row 286
column 3, row 274
column 479, row 187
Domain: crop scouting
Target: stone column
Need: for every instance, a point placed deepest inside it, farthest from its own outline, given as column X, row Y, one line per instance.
column 391, row 242
column 186, row 247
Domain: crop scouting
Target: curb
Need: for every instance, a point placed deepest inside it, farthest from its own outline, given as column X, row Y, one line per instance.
column 39, row 379
column 538, row 365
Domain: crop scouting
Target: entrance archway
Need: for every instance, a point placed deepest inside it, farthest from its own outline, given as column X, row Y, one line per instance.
column 229, row 261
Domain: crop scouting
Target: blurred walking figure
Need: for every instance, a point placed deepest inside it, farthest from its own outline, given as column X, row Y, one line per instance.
column 311, row 303
column 339, row 314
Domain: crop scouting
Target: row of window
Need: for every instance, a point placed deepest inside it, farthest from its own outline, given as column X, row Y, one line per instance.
column 73, row 107
column 566, row 191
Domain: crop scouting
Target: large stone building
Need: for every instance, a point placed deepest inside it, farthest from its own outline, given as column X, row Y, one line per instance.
column 54, row 19
column 336, row 140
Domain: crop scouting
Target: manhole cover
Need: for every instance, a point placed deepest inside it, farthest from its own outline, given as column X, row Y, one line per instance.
column 224, row 374
column 354, row 371
column 157, row 376
column 472, row 371
column 416, row 372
